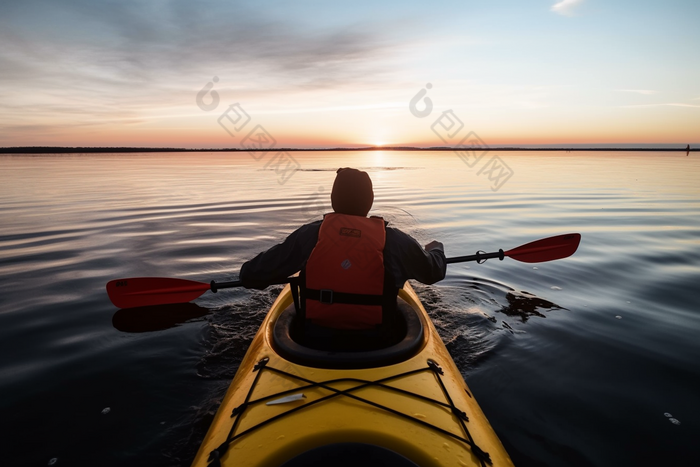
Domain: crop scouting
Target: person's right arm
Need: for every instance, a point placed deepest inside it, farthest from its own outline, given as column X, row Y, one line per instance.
column 407, row 259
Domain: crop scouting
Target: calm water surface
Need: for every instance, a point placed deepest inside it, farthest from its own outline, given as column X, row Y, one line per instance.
column 575, row 362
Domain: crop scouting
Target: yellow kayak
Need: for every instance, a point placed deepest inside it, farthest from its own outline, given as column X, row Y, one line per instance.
column 290, row 405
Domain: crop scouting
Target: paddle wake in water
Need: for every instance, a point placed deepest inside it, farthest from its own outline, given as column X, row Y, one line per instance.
column 470, row 316
column 226, row 338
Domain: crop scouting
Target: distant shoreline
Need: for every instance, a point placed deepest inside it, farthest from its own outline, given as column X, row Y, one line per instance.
column 98, row 150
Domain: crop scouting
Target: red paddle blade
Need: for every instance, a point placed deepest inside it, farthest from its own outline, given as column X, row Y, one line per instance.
column 547, row 249
column 147, row 291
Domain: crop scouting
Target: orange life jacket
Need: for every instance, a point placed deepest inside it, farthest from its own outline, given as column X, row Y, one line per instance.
column 345, row 273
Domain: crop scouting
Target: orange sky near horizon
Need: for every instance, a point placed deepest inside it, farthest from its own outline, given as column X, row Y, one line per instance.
column 393, row 127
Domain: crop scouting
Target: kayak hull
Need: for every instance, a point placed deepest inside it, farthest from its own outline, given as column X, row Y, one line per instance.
column 420, row 408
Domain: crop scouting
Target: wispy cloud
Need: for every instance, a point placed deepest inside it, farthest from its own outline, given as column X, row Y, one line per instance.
column 670, row 104
column 77, row 62
column 646, row 92
column 684, row 105
column 130, row 44
column 566, row 7
column 342, row 108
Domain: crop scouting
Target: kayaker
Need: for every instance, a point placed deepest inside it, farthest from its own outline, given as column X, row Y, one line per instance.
column 351, row 266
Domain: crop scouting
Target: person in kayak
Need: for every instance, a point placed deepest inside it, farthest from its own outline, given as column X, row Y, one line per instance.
column 351, row 266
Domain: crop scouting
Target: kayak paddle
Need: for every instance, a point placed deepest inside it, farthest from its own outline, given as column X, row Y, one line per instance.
column 148, row 291
column 539, row 251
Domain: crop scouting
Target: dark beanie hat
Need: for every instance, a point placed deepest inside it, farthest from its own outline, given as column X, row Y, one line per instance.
column 352, row 192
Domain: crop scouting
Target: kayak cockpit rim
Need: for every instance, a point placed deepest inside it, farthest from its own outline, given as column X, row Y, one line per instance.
column 408, row 343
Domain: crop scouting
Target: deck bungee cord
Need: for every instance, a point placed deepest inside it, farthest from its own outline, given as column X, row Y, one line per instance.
column 432, row 367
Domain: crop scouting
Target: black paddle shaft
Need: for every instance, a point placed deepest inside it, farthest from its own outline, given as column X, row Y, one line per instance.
column 479, row 257
column 216, row 286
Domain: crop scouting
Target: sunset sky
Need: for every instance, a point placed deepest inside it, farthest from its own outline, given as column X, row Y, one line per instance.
column 320, row 74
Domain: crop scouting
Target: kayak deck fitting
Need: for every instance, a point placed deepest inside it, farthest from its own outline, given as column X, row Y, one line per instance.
column 405, row 405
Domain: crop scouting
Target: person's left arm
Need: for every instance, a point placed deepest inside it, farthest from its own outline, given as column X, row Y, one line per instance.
column 282, row 260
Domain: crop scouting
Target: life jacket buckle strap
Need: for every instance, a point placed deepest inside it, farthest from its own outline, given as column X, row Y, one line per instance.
column 325, row 296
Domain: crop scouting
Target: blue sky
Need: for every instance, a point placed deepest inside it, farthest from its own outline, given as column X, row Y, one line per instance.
column 126, row 73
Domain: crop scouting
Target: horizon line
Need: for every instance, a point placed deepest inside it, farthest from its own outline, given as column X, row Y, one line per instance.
column 131, row 149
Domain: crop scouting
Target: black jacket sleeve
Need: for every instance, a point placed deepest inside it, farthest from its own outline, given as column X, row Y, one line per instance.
column 407, row 259
column 281, row 261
